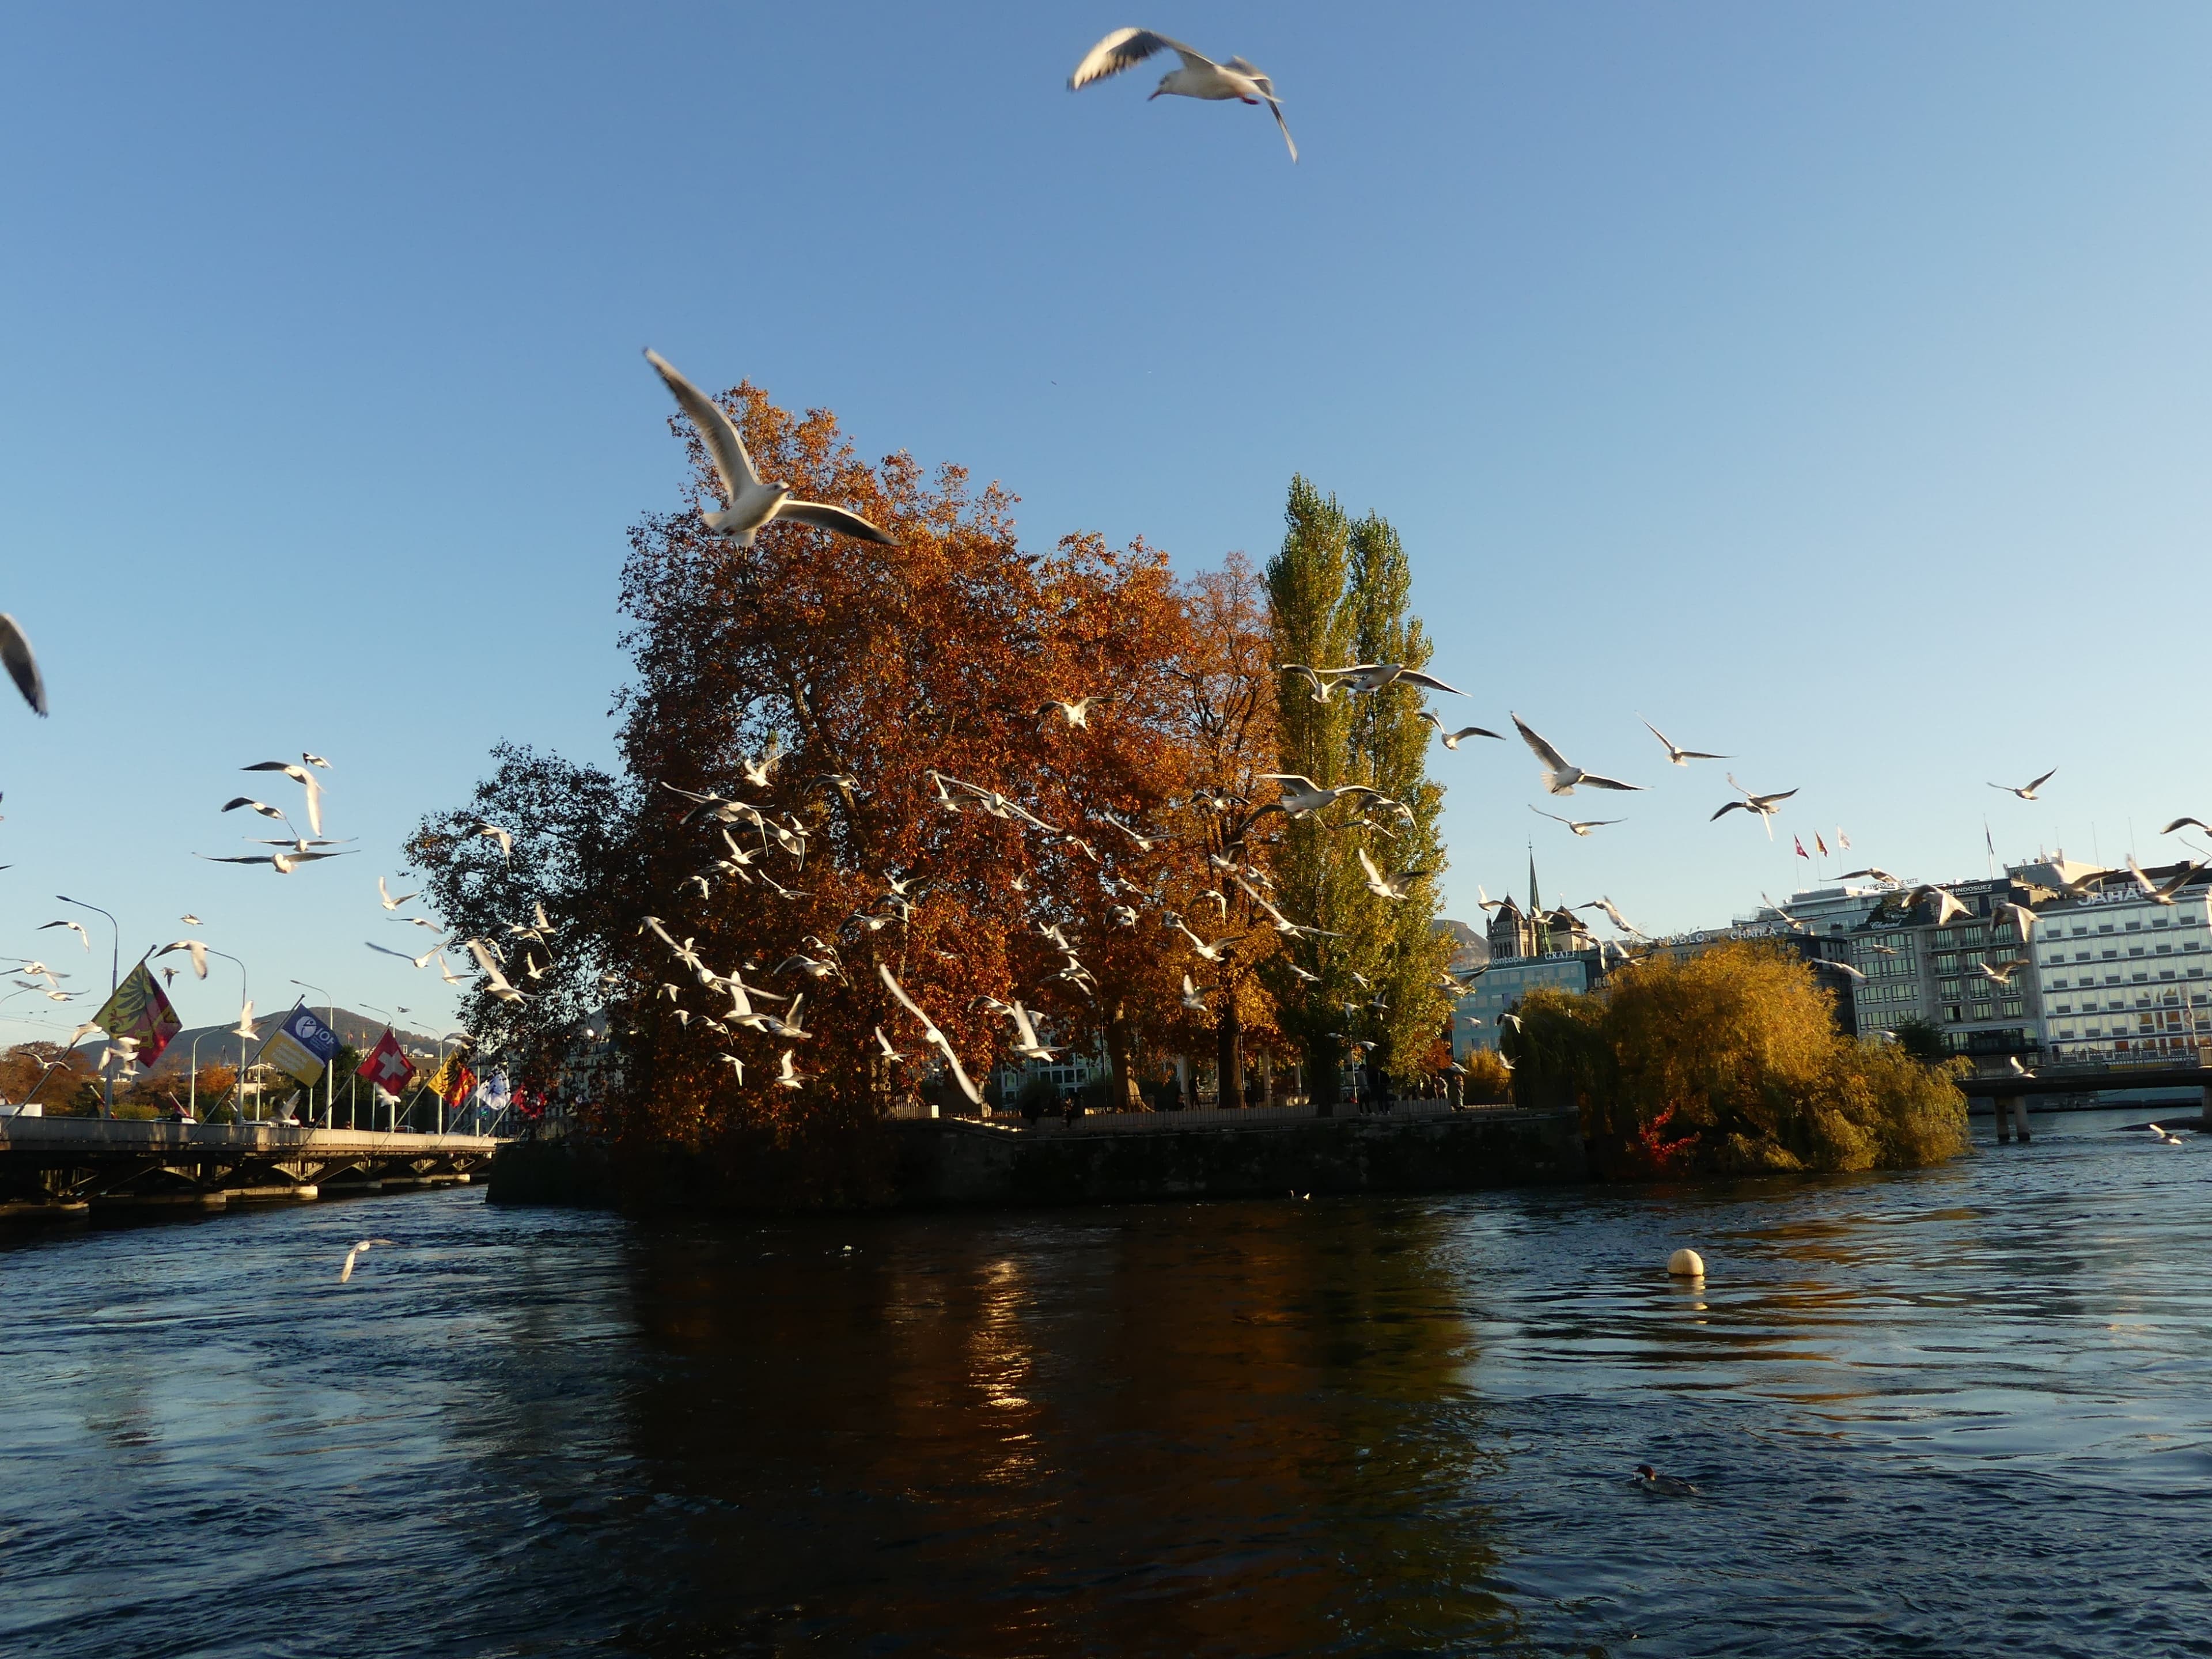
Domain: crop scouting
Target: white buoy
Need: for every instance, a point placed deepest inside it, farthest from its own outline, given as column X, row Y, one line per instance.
column 1686, row 1264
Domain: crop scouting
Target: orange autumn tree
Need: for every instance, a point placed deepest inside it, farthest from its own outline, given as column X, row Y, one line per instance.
column 835, row 754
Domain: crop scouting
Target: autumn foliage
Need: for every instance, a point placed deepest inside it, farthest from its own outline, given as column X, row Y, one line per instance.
column 1728, row 1062
column 867, row 671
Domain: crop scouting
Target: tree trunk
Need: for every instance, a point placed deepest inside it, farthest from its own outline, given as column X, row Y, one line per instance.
column 1229, row 1054
column 1322, row 1084
column 1117, row 1058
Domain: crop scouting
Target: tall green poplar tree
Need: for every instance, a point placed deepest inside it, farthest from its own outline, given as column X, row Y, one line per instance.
column 1310, row 624
column 1389, row 748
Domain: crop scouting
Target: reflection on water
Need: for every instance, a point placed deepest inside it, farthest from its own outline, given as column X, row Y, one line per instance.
column 1964, row 1410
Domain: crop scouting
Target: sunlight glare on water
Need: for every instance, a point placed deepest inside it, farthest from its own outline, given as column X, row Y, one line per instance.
column 1962, row 1411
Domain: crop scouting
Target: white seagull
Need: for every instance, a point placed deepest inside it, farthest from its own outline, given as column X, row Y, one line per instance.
column 1763, row 806
column 1946, row 906
column 1193, row 998
column 752, row 504
column 937, row 1038
column 2027, row 791
column 2155, row 894
column 385, row 894
column 1301, row 795
column 1580, row 826
column 301, row 775
column 355, row 1254
column 75, row 928
column 1392, row 886
column 1453, row 739
column 1676, row 753
column 1199, row 77
column 1561, row 775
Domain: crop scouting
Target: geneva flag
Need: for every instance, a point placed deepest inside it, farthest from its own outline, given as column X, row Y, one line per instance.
column 140, row 1008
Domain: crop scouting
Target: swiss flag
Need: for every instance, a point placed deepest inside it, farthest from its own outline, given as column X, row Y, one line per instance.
column 1801, row 853
column 387, row 1066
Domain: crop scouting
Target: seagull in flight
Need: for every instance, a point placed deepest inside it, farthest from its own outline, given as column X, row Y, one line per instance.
column 937, row 1038
column 301, row 775
column 1947, row 904
column 498, row 985
column 1388, row 887
column 491, row 831
column 1580, row 826
column 1561, row 775
column 752, row 505
column 1199, row 77
column 1613, row 915
column 2006, row 910
column 1077, row 713
column 1766, row 806
column 1675, row 753
column 2027, row 791
column 1453, row 739
column 2184, row 824
column 197, row 950
column 22, row 666
column 284, row 863
column 385, row 894
column 1193, row 998
column 74, row 927
column 1301, row 795
column 2151, row 890
column 355, row 1254
column 1876, row 872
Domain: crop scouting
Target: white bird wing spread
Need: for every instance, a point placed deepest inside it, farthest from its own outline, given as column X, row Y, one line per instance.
column 1125, row 48
column 1543, row 752
column 1415, row 676
column 1368, row 865
column 823, row 516
column 716, row 430
column 489, row 968
column 1597, row 782
column 943, row 1044
column 22, row 666
column 1276, row 110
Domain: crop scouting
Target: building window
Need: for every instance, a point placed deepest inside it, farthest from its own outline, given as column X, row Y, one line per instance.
column 1951, row 1013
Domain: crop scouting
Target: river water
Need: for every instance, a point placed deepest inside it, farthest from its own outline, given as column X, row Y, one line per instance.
column 1964, row 1410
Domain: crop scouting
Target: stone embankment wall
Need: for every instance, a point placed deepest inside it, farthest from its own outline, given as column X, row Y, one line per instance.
column 954, row 1162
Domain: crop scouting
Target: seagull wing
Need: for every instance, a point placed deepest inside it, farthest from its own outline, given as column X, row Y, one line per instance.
column 22, row 666
column 258, row 858
column 1597, row 782
column 1733, row 806
column 1276, row 110
column 1368, row 865
column 2179, row 823
column 1416, row 677
column 2045, row 779
column 823, row 516
column 1125, row 49
column 1543, row 752
column 716, row 430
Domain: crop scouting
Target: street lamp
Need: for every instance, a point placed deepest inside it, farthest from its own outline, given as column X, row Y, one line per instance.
column 238, row 1084
column 330, row 1071
column 114, row 978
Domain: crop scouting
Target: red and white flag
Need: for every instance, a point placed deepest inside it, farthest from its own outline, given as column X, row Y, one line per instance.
column 1799, row 842
column 386, row 1065
column 1842, row 840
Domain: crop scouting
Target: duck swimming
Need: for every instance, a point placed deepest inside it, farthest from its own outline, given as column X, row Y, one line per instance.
column 1673, row 1485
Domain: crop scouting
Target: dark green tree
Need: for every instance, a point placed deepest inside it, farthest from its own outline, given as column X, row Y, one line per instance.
column 1389, row 748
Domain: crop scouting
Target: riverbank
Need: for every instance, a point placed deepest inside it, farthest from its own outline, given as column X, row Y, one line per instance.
column 949, row 1163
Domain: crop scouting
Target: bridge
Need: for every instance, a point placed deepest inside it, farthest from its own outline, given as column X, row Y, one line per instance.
column 58, row 1166
column 2010, row 1094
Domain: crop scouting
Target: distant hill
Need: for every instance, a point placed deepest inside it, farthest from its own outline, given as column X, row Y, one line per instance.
column 219, row 1044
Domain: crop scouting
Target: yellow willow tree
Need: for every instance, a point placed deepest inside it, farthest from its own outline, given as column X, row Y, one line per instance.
column 834, row 755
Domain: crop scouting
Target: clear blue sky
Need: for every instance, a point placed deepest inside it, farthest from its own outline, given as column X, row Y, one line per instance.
column 1827, row 383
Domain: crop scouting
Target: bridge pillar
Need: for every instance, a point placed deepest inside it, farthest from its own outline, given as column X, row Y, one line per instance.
column 2020, row 1118
column 2001, row 1105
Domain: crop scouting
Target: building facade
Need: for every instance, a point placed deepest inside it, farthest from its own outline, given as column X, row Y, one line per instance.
column 1476, row 1015
column 2122, row 978
column 1918, row 970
